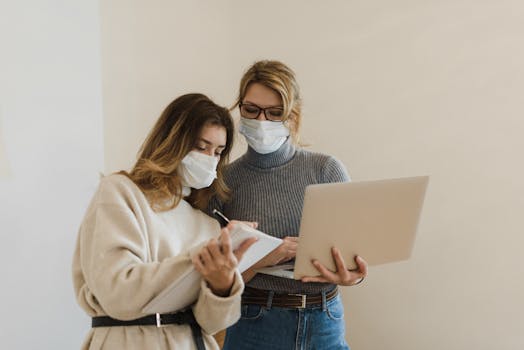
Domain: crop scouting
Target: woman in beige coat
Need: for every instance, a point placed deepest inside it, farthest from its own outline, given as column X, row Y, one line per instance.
column 136, row 234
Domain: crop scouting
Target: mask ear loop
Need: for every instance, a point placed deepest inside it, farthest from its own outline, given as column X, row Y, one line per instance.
column 288, row 123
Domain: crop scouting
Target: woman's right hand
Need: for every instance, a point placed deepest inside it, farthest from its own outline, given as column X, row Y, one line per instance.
column 284, row 252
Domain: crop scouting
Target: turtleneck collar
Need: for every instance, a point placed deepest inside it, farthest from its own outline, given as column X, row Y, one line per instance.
column 271, row 160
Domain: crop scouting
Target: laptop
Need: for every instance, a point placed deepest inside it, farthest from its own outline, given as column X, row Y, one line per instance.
column 377, row 220
column 374, row 219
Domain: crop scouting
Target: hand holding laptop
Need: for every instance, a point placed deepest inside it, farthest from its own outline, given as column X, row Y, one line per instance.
column 375, row 219
column 342, row 276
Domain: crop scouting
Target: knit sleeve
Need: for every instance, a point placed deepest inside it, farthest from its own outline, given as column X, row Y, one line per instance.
column 334, row 171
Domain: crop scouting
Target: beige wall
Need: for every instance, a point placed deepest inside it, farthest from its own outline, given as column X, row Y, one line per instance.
column 153, row 52
column 391, row 88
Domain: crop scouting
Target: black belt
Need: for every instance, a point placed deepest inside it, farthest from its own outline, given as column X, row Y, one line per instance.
column 159, row 320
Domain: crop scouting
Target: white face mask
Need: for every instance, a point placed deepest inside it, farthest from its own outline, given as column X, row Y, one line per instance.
column 198, row 170
column 263, row 136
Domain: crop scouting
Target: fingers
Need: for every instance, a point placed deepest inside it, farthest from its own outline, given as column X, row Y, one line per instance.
column 290, row 243
column 225, row 241
column 232, row 223
column 205, row 256
column 199, row 266
column 339, row 260
column 342, row 276
column 289, row 248
column 362, row 266
column 252, row 224
column 328, row 275
column 318, row 279
column 214, row 249
column 216, row 255
column 286, row 251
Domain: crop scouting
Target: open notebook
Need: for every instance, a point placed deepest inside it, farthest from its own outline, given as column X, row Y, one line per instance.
column 184, row 291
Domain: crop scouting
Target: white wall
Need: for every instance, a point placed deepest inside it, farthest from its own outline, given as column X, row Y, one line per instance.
column 50, row 98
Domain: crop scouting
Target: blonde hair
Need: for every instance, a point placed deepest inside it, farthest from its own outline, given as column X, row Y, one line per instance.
column 171, row 139
column 280, row 78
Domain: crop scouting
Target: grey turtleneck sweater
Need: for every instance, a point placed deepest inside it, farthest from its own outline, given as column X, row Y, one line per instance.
column 269, row 189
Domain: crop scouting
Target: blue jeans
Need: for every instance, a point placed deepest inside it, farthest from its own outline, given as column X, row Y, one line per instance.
column 264, row 327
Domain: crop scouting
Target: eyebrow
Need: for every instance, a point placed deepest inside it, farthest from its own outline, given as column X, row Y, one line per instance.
column 254, row 104
column 210, row 143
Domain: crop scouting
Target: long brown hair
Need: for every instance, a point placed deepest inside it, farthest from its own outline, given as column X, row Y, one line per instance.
column 171, row 139
column 280, row 78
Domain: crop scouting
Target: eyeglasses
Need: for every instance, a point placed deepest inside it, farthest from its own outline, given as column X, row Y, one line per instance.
column 251, row 111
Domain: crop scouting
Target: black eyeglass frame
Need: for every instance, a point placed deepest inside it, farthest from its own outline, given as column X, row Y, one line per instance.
column 260, row 110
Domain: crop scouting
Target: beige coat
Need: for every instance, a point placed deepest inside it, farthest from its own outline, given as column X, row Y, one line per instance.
column 126, row 254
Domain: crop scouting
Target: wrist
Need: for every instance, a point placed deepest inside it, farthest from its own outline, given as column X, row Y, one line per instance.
column 222, row 289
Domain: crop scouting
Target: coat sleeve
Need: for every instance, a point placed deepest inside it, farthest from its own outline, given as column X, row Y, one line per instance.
column 116, row 264
column 214, row 313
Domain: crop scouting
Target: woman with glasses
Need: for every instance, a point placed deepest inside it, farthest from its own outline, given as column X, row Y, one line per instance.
column 136, row 234
column 268, row 184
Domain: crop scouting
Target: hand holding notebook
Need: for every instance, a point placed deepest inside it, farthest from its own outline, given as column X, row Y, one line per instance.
column 183, row 292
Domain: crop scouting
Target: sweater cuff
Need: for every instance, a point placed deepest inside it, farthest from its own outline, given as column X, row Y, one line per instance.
column 236, row 290
column 214, row 312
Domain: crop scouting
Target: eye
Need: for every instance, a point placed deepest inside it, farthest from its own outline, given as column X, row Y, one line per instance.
column 276, row 112
column 249, row 109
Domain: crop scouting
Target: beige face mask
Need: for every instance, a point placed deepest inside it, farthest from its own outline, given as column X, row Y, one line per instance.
column 263, row 136
column 198, row 170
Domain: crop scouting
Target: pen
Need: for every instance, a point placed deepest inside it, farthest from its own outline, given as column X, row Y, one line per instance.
column 221, row 217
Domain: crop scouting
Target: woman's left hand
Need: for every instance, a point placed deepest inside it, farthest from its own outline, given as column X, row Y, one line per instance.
column 342, row 276
column 217, row 262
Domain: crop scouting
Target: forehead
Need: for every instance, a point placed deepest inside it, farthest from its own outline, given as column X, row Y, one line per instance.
column 214, row 134
column 262, row 96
